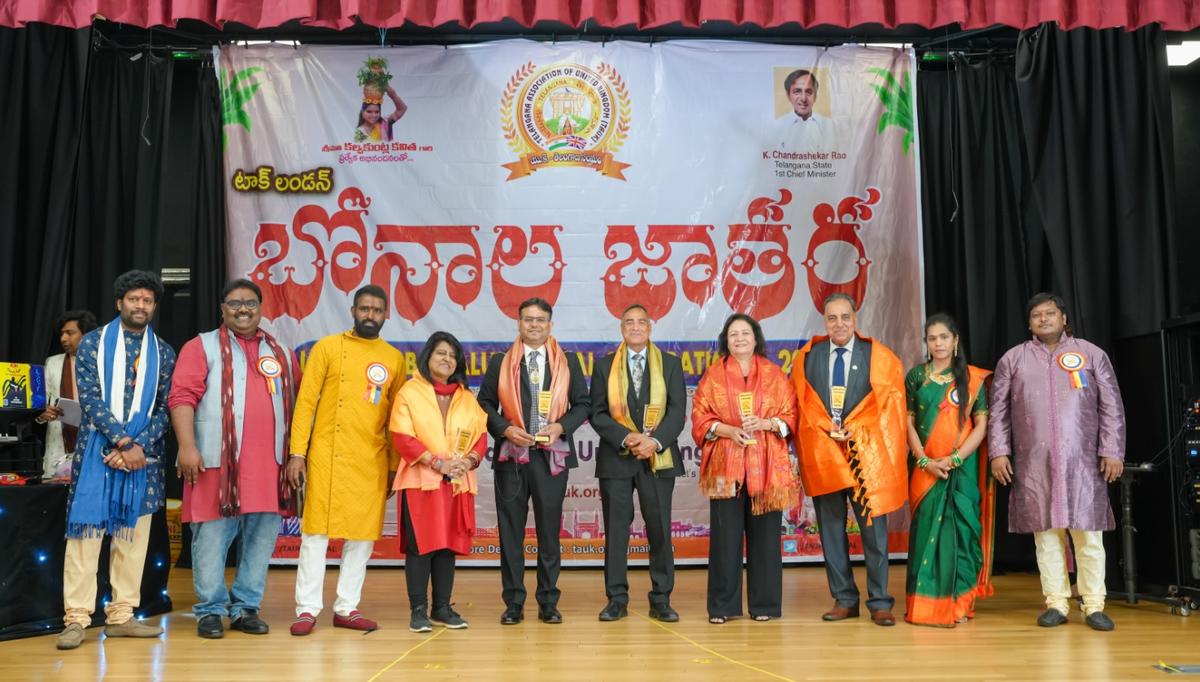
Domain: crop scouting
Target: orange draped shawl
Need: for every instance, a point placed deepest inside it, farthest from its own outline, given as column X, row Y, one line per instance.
column 509, row 389
column 872, row 462
column 415, row 412
column 763, row 468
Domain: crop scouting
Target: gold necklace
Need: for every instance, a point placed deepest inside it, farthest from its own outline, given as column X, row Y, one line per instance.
column 938, row 378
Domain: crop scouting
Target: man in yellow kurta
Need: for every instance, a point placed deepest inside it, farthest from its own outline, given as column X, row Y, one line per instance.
column 340, row 454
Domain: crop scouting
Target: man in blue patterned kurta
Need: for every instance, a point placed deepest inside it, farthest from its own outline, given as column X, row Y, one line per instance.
column 124, row 374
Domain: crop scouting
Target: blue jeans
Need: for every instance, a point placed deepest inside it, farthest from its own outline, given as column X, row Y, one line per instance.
column 210, row 546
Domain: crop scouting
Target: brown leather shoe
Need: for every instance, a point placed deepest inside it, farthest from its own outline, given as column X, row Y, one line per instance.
column 883, row 617
column 839, row 612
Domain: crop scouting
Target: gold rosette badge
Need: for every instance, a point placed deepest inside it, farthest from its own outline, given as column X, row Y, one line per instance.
column 565, row 115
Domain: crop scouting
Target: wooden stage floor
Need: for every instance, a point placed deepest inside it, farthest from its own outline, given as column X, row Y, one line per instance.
column 1003, row 643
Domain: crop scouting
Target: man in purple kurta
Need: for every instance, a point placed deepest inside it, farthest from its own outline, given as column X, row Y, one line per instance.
column 1056, row 410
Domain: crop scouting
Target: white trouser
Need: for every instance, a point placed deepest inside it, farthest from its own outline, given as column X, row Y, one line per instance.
column 1089, row 568
column 310, row 574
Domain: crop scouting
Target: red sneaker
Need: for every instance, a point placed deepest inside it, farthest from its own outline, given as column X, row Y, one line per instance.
column 355, row 621
column 304, row 624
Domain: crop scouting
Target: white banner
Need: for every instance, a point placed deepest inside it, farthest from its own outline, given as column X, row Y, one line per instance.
column 698, row 178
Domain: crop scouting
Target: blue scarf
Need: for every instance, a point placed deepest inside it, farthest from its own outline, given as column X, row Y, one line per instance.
column 109, row 500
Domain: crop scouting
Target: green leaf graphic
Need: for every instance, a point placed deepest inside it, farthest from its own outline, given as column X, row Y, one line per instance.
column 236, row 91
column 897, row 105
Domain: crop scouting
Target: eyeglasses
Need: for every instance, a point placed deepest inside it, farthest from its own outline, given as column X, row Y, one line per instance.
column 248, row 304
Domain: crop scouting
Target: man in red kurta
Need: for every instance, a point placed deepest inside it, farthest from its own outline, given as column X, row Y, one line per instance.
column 230, row 404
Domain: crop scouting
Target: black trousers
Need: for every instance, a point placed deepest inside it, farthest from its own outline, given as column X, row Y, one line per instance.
column 419, row 569
column 654, row 496
column 515, row 487
column 731, row 521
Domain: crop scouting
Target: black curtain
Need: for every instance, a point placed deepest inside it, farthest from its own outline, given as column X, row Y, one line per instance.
column 207, row 263
column 120, row 176
column 113, row 161
column 984, row 249
column 1096, row 110
column 1053, row 173
column 1185, row 241
column 42, row 83
column 149, row 193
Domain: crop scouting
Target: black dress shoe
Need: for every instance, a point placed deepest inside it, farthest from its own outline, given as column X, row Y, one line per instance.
column 664, row 613
column 512, row 615
column 210, row 627
column 1099, row 621
column 1051, row 617
column 615, row 610
column 250, row 623
column 550, row 615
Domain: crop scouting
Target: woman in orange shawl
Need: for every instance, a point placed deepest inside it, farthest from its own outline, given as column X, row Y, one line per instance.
column 439, row 430
column 950, row 492
column 742, row 412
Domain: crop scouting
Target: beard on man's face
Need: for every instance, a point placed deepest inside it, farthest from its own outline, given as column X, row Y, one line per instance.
column 366, row 328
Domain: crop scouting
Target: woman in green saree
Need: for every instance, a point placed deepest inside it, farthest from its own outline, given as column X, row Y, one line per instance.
column 951, row 495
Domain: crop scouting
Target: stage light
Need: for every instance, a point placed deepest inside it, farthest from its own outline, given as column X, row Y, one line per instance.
column 1184, row 54
column 41, row 557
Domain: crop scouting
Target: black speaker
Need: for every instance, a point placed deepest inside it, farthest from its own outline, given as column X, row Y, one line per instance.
column 1181, row 350
column 1139, row 364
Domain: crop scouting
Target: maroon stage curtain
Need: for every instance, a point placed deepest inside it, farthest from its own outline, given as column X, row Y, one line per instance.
column 1176, row 15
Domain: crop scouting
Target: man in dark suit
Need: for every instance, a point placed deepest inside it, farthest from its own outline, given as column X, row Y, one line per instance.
column 535, row 396
column 852, row 448
column 639, row 405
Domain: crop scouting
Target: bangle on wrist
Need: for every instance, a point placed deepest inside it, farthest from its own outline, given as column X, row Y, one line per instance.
column 712, row 431
column 922, row 462
column 436, row 463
